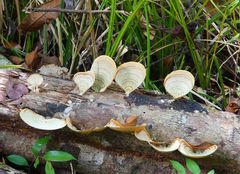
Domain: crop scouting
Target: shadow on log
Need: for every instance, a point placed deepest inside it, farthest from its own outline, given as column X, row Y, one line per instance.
column 116, row 152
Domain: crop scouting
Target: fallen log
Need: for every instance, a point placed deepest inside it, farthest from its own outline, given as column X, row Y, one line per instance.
column 5, row 169
column 108, row 150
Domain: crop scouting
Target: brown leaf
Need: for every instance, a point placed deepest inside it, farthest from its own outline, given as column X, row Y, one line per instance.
column 50, row 60
column 11, row 44
column 233, row 105
column 32, row 60
column 34, row 21
column 15, row 60
column 210, row 7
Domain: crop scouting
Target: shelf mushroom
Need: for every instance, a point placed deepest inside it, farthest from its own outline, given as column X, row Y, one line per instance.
column 130, row 76
column 199, row 151
column 105, row 69
column 34, row 81
column 84, row 80
column 40, row 122
column 179, row 83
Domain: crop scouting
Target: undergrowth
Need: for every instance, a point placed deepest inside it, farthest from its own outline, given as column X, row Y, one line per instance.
column 199, row 36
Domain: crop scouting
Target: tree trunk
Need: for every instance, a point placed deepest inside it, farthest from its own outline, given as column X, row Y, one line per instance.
column 113, row 151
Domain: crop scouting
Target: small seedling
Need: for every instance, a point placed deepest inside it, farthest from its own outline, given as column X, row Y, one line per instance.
column 191, row 166
column 49, row 156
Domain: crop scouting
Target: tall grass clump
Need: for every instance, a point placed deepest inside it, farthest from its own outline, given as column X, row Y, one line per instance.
column 199, row 36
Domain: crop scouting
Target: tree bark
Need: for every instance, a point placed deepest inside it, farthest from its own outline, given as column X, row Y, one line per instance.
column 112, row 151
column 5, row 169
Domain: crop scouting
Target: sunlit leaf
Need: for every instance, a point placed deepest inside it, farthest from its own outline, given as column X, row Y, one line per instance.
column 58, row 156
column 193, row 166
column 18, row 160
column 49, row 168
column 178, row 167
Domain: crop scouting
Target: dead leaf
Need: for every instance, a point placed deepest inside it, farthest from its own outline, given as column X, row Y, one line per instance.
column 210, row 7
column 15, row 91
column 32, row 60
column 15, row 60
column 50, row 60
column 143, row 26
column 34, row 21
column 11, row 44
column 233, row 105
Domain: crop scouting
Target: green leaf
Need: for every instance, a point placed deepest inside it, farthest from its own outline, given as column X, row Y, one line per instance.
column 58, row 156
column 49, row 168
column 178, row 167
column 193, row 166
column 36, row 163
column 18, row 160
column 39, row 145
column 211, row 172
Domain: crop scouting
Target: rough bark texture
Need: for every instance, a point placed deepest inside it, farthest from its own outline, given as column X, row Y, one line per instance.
column 113, row 152
column 5, row 169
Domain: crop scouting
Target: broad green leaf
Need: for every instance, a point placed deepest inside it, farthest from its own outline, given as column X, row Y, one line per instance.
column 211, row 172
column 58, row 156
column 49, row 168
column 178, row 167
column 193, row 166
column 18, row 160
column 36, row 162
column 39, row 144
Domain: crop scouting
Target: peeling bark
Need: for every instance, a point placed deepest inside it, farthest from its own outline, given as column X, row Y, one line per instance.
column 5, row 169
column 121, row 152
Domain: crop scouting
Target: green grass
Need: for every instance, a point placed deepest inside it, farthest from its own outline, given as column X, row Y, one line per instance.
column 206, row 51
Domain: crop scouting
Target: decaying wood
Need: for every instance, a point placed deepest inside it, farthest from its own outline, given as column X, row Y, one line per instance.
column 116, row 152
column 5, row 169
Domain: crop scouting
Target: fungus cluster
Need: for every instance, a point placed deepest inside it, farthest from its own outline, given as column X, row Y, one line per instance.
column 40, row 122
column 129, row 77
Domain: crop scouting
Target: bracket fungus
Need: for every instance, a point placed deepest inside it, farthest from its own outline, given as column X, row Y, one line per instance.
column 165, row 147
column 84, row 80
column 130, row 76
column 34, row 81
column 118, row 126
column 143, row 135
column 105, row 69
column 86, row 131
column 40, row 122
column 179, row 144
column 199, row 151
column 179, row 83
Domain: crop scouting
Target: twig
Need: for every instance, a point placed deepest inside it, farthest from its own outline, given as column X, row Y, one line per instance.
column 204, row 99
column 32, row 10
